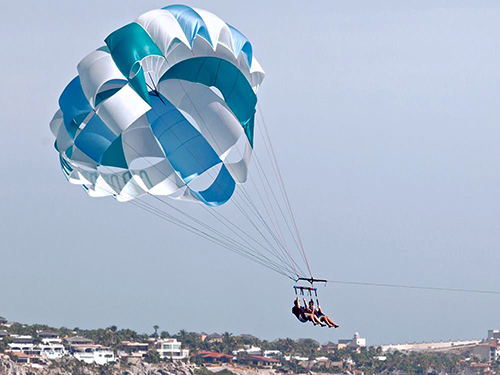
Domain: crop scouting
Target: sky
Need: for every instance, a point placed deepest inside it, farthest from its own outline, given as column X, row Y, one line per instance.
column 385, row 120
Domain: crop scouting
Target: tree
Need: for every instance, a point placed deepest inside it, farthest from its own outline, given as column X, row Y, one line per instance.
column 152, row 356
column 156, row 327
column 228, row 342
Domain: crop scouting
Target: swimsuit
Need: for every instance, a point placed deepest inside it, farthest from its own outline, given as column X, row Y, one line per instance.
column 299, row 313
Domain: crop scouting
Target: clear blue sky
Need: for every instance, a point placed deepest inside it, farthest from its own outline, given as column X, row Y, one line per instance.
column 385, row 118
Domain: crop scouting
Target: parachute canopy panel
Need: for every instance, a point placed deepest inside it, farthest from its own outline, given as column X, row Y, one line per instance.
column 123, row 87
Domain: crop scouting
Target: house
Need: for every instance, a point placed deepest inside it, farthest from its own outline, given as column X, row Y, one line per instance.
column 202, row 336
column 10, row 324
column 273, row 353
column 431, row 346
column 355, row 343
column 77, row 340
column 171, row 348
column 53, row 350
column 487, row 351
column 22, row 339
column 2, row 320
column 3, row 333
column 90, row 353
column 136, row 348
column 325, row 363
column 330, row 347
column 493, row 334
column 133, row 352
column 213, row 357
column 28, row 359
column 23, row 344
column 259, row 361
column 214, row 337
column 295, row 358
column 49, row 336
column 254, row 350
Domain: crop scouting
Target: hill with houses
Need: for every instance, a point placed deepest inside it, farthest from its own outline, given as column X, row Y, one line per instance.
column 30, row 349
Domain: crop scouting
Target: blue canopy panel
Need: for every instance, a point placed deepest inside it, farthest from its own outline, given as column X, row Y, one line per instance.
column 187, row 150
column 190, row 22
column 213, row 71
column 74, row 106
column 95, row 138
column 220, row 191
column 114, row 155
column 241, row 43
column 128, row 46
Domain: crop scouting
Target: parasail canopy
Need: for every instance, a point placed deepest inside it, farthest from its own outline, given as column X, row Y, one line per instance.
column 167, row 107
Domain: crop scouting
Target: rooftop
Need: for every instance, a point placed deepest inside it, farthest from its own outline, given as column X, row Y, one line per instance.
column 78, row 339
column 261, row 358
column 47, row 333
column 213, row 355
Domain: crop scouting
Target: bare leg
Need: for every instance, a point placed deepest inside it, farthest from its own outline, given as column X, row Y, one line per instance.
column 315, row 320
column 325, row 319
column 330, row 322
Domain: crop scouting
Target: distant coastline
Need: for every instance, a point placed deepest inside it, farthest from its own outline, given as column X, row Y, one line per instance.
column 33, row 349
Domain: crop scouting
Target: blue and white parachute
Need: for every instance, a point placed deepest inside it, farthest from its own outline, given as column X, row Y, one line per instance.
column 165, row 108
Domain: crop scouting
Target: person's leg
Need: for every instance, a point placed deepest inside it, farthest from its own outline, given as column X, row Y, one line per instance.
column 331, row 322
column 326, row 320
column 315, row 320
column 310, row 318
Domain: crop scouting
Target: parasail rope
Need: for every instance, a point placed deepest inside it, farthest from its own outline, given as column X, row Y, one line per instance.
column 208, row 128
column 415, row 287
column 195, row 157
column 211, row 228
column 283, row 188
column 228, row 243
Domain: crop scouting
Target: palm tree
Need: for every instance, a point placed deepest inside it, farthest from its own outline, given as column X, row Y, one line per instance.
column 156, row 327
column 182, row 335
column 228, row 342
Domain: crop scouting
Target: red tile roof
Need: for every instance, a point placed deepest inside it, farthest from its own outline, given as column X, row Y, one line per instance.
column 206, row 354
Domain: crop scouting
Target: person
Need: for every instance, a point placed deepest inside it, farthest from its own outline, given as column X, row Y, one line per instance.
column 303, row 315
column 319, row 314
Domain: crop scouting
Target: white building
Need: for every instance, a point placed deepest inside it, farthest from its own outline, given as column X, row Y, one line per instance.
column 272, row 353
column 441, row 346
column 254, row 350
column 171, row 348
column 23, row 344
column 53, row 350
column 494, row 334
column 93, row 354
column 49, row 337
column 296, row 358
column 355, row 343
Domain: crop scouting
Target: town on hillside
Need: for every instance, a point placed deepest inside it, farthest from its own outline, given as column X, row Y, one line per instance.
column 40, row 346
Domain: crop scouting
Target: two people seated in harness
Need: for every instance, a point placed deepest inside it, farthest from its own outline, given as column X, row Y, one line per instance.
column 311, row 314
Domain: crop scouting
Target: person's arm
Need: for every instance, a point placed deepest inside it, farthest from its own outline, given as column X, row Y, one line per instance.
column 306, row 306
